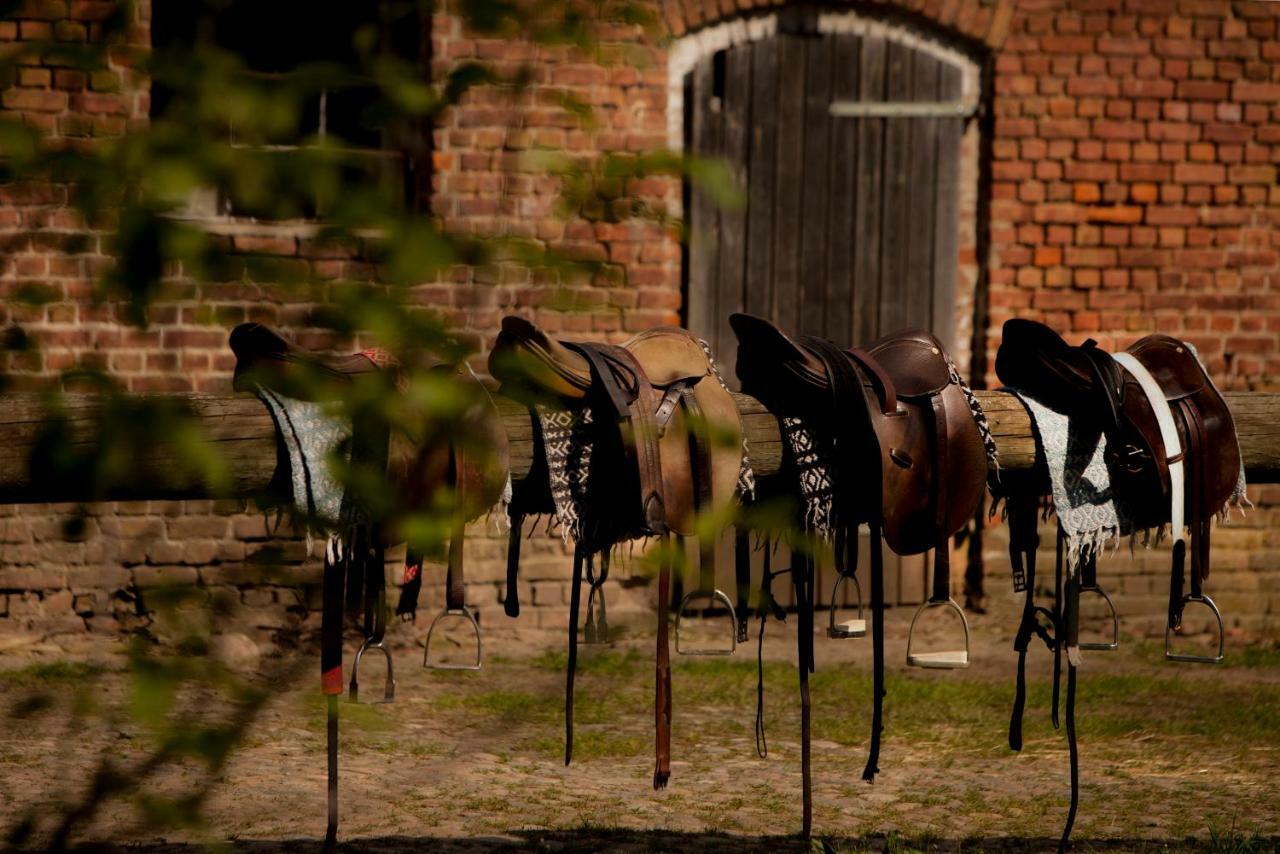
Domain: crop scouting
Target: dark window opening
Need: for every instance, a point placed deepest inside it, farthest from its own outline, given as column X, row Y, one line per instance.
column 275, row 38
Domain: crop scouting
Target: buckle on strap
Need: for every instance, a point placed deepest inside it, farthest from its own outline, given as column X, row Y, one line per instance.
column 1170, row 655
column 713, row 596
column 946, row 659
column 464, row 613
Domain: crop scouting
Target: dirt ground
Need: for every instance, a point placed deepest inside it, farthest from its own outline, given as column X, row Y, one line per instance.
column 1172, row 757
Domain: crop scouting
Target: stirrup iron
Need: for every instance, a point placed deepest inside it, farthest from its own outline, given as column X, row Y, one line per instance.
column 946, row 659
column 851, row 628
column 353, row 687
column 465, row 613
column 1170, row 655
column 713, row 596
column 1114, row 643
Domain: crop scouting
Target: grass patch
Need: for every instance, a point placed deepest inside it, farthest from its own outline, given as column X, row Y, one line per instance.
column 52, row 672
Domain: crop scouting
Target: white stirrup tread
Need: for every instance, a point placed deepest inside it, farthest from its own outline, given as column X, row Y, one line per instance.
column 1168, row 433
column 854, row 628
column 950, row 659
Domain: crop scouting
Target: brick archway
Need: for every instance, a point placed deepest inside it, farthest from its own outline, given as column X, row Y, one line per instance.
column 981, row 22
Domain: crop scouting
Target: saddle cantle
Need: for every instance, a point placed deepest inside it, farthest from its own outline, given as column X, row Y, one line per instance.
column 1172, row 458
column 663, row 443
column 889, row 434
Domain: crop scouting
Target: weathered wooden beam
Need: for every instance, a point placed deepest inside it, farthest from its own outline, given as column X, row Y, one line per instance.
column 240, row 431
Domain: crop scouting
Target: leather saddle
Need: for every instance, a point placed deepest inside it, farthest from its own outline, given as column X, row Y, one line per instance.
column 1164, row 421
column 1172, row 456
column 893, row 431
column 665, row 445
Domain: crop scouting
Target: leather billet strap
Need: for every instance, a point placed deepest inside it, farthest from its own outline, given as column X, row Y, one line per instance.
column 620, row 380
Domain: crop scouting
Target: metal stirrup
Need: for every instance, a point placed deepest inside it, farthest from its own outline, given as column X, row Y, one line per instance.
column 1114, row 643
column 941, row 659
column 353, row 688
column 1170, row 655
column 853, row 628
column 713, row 596
column 465, row 613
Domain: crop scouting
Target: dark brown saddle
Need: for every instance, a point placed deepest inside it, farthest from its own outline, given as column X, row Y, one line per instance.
column 1125, row 398
column 665, row 445
column 894, row 432
column 1172, row 456
column 455, row 456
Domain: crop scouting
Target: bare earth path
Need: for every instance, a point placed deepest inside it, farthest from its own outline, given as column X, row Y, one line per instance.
column 1171, row 757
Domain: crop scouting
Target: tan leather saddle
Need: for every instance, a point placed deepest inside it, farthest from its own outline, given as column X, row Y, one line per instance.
column 664, row 443
column 1172, row 456
column 891, row 429
column 453, row 456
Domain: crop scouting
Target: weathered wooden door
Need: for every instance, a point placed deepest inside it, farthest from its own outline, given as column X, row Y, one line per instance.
column 848, row 150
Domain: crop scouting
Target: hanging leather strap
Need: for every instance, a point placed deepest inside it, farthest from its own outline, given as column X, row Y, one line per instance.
column 511, row 602
column 938, row 497
column 455, row 593
column 877, row 653
column 1058, row 624
column 575, row 603
column 662, row 674
column 1072, row 616
column 802, row 581
column 742, row 577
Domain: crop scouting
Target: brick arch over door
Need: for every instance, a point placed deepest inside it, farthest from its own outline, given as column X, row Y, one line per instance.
column 980, row 22
column 851, row 222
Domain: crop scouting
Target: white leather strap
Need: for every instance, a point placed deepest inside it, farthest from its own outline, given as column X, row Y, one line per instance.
column 1169, row 435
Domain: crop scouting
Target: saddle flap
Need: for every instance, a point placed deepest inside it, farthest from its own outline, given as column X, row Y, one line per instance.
column 1172, row 364
column 916, row 360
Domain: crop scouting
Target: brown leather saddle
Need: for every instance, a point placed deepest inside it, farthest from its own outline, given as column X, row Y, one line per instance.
column 1172, row 456
column 664, row 443
column 890, row 429
column 454, row 456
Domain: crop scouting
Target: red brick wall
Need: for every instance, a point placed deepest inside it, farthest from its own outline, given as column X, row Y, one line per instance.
column 1134, row 154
